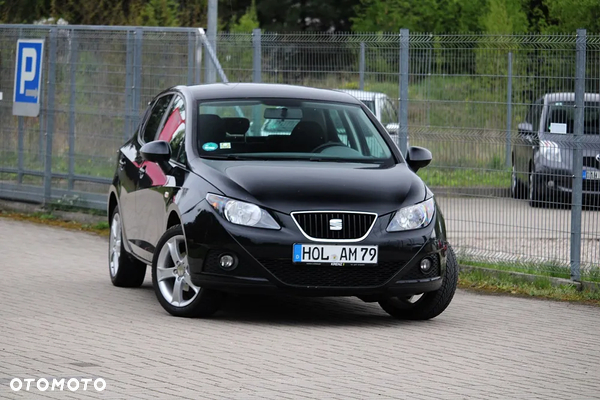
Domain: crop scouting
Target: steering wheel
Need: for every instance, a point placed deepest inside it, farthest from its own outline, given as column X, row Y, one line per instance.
column 326, row 146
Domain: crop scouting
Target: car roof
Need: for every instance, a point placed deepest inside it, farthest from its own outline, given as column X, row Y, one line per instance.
column 570, row 96
column 216, row 91
column 362, row 94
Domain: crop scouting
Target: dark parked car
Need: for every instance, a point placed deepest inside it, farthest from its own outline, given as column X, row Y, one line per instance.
column 543, row 151
column 329, row 209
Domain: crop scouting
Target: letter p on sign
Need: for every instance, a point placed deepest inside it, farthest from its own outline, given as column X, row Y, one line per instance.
column 28, row 77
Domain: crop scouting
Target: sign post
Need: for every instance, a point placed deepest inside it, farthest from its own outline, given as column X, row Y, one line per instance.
column 28, row 77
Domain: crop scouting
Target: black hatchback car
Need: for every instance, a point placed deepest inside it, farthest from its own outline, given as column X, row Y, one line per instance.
column 542, row 154
column 325, row 206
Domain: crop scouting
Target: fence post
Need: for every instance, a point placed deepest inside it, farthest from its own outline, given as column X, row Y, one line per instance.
column 128, row 131
column 191, row 57
column 137, row 76
column 256, row 76
column 577, row 197
column 73, row 69
column 361, row 67
column 21, row 138
column 509, row 111
column 403, row 90
column 20, row 150
column 50, row 115
column 211, row 74
column 256, row 56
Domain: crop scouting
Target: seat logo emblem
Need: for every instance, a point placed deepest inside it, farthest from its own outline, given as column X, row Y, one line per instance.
column 598, row 157
column 335, row 224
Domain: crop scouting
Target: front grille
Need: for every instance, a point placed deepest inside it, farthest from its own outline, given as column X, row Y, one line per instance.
column 414, row 272
column 316, row 225
column 591, row 185
column 331, row 276
column 591, row 162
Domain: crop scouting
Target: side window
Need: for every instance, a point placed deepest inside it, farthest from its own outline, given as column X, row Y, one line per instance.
column 388, row 113
column 154, row 119
column 173, row 130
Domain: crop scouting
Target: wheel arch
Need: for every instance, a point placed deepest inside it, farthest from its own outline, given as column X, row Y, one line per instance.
column 173, row 219
column 113, row 202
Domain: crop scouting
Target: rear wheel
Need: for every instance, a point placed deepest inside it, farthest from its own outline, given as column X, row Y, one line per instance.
column 125, row 271
column 172, row 282
column 426, row 305
column 516, row 187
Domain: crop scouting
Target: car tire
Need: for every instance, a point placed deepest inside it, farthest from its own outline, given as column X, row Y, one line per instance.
column 516, row 187
column 124, row 269
column 535, row 198
column 427, row 305
column 172, row 283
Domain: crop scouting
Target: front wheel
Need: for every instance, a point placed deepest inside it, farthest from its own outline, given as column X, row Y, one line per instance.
column 535, row 197
column 426, row 305
column 172, row 282
column 516, row 187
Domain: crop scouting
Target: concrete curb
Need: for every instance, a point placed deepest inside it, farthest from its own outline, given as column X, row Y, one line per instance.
column 555, row 282
column 470, row 191
column 30, row 208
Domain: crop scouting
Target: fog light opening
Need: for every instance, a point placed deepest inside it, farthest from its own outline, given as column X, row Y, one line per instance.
column 228, row 262
column 426, row 265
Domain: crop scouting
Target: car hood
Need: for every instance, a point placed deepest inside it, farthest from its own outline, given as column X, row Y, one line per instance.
column 289, row 186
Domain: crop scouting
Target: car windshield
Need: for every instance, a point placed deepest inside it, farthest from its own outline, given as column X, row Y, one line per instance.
column 561, row 118
column 288, row 129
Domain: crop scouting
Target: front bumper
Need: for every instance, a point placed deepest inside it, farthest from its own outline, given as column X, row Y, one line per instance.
column 265, row 259
column 558, row 183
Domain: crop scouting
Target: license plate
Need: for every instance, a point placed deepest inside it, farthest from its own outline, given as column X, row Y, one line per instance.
column 335, row 254
column 591, row 175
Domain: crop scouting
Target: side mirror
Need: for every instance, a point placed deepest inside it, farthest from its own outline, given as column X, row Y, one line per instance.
column 158, row 152
column 392, row 128
column 418, row 157
column 525, row 128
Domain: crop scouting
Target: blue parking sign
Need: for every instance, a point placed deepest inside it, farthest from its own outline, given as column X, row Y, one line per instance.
column 28, row 77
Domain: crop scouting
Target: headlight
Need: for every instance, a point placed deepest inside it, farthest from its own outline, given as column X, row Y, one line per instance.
column 413, row 217
column 550, row 150
column 241, row 213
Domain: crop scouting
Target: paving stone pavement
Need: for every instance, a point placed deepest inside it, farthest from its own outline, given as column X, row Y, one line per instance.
column 60, row 317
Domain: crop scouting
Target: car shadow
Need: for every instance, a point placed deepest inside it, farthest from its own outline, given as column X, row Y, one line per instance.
column 291, row 310
column 286, row 310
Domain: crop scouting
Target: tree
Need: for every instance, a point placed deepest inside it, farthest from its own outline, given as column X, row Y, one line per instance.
column 434, row 16
column 569, row 15
column 505, row 16
column 247, row 22
column 159, row 13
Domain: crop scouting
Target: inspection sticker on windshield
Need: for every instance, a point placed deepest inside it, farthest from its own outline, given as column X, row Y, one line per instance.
column 558, row 128
column 591, row 175
column 210, row 146
column 334, row 254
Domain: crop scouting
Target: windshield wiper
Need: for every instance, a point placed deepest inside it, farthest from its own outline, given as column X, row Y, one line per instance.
column 347, row 160
column 226, row 157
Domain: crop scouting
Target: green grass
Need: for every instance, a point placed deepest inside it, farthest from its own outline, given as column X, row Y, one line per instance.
column 547, row 269
column 461, row 177
column 505, row 283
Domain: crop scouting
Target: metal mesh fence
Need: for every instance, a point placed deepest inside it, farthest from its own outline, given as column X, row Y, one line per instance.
column 498, row 113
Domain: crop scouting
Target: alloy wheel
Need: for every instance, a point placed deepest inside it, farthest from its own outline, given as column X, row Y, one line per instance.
column 115, row 244
column 173, row 273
